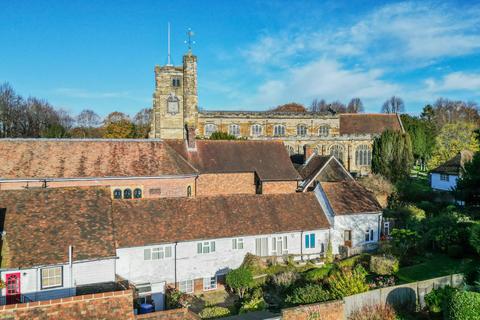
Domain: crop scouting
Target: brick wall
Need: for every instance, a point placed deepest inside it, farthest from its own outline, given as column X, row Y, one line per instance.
column 116, row 305
column 225, row 183
column 333, row 310
column 279, row 187
column 175, row 314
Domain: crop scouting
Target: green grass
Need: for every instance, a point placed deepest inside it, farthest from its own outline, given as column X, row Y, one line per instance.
column 437, row 266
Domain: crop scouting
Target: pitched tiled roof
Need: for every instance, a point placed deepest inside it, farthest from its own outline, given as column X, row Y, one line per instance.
column 454, row 165
column 349, row 197
column 361, row 123
column 40, row 224
column 268, row 158
column 153, row 221
column 330, row 170
column 87, row 158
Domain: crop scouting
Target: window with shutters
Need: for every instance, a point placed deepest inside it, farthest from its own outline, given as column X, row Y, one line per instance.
column 205, row 247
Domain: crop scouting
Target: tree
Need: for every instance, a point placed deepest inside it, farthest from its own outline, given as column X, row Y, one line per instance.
column 422, row 134
column 348, row 282
column 453, row 138
column 355, row 106
column 447, row 111
column 337, row 107
column 319, row 106
column 392, row 155
column 220, row 135
column 240, row 280
column 404, row 241
column 290, row 107
column 474, row 238
column 393, row 105
column 142, row 121
column 118, row 126
column 469, row 182
column 88, row 119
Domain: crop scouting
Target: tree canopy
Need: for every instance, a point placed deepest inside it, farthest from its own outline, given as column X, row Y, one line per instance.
column 422, row 134
column 468, row 186
column 393, row 105
column 290, row 107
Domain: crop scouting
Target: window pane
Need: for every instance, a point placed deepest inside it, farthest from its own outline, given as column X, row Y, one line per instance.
column 147, row 254
column 307, row 241
column 234, row 243
column 127, row 194
column 312, row 240
column 137, row 193
column 199, row 247
column 240, row 243
column 212, row 246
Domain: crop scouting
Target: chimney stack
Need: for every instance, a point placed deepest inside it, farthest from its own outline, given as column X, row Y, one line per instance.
column 191, row 138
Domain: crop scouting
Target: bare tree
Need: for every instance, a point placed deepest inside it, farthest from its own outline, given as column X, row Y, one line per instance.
column 319, row 106
column 393, row 105
column 337, row 107
column 142, row 121
column 88, row 119
column 448, row 111
column 355, row 106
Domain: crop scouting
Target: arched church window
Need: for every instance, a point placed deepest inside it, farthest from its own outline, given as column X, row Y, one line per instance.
column 117, row 194
column 234, row 130
column 363, row 155
column 172, row 104
column 209, row 129
column 127, row 193
column 256, row 130
column 301, row 130
column 279, row 130
column 323, row 131
column 137, row 193
column 337, row 151
column 189, row 191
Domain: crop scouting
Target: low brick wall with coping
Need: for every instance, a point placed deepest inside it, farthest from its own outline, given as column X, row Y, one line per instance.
column 331, row 310
column 175, row 314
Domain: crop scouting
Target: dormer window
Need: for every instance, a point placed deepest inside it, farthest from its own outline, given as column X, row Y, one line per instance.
column 176, row 82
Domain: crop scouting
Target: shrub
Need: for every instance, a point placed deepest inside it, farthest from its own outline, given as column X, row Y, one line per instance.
column 285, row 279
column 219, row 135
column 437, row 299
column 347, row 282
column 311, row 293
column 240, row 280
column 214, row 312
column 318, row 274
column 404, row 241
column 464, row 305
column 254, row 263
column 362, row 259
column 382, row 282
column 329, row 253
column 255, row 304
column 376, row 312
column 455, row 251
column 474, row 238
column 176, row 299
column 384, row 265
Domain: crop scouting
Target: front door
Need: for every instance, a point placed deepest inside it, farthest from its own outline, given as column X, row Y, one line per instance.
column 13, row 288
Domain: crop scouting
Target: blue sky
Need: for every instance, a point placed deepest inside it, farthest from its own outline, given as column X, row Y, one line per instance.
column 252, row 55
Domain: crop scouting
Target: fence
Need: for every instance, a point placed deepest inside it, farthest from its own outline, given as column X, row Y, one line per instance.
column 407, row 295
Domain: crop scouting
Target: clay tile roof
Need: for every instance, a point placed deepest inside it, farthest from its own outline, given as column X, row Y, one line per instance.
column 153, row 221
column 456, row 164
column 362, row 123
column 349, row 197
column 40, row 224
column 269, row 159
column 87, row 158
column 323, row 168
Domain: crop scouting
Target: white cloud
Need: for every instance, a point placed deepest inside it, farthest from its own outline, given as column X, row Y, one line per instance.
column 85, row 94
column 455, row 81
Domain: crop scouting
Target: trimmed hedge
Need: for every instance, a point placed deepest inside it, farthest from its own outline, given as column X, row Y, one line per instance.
column 311, row 293
column 464, row 305
column 318, row 274
column 214, row 312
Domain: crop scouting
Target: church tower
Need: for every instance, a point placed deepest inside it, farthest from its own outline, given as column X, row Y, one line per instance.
column 175, row 100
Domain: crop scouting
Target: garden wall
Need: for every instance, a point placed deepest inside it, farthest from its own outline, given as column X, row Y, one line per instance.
column 175, row 314
column 333, row 310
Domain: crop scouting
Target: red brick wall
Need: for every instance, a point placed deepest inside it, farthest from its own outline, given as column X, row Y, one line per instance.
column 270, row 187
column 176, row 314
column 322, row 311
column 225, row 183
column 116, row 305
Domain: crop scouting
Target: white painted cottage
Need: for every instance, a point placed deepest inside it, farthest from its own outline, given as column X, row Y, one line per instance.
column 445, row 176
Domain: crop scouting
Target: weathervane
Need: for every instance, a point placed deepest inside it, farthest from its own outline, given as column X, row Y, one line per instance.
column 190, row 42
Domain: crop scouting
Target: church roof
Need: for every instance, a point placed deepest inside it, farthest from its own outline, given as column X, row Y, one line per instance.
column 269, row 159
column 455, row 164
column 363, row 123
column 89, row 158
column 187, row 219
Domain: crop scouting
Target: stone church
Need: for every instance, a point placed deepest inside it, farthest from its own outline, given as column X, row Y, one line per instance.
column 348, row 137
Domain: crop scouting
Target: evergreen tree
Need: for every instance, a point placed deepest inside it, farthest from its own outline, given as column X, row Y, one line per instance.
column 468, row 186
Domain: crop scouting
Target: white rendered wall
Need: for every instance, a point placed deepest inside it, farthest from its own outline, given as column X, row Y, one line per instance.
column 437, row 183
column 358, row 224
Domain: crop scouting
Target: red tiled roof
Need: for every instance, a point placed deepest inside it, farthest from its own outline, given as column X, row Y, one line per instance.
column 349, row 197
column 268, row 158
column 40, row 224
column 362, row 123
column 139, row 223
column 332, row 171
column 88, row 158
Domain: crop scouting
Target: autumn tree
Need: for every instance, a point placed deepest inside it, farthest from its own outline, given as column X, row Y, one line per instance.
column 393, row 105
column 118, row 125
column 446, row 111
column 142, row 121
column 290, row 107
column 355, row 106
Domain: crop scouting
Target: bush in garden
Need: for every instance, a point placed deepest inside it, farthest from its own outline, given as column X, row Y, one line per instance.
column 318, row 274
column 311, row 293
column 437, row 299
column 463, row 305
column 176, row 299
column 285, row 279
column 455, row 251
column 361, row 259
column 404, row 241
column 240, row 280
column 382, row 282
column 214, row 312
column 384, row 265
column 329, row 253
column 256, row 304
column 254, row 263
column 348, row 282
column 375, row 312
column 474, row 238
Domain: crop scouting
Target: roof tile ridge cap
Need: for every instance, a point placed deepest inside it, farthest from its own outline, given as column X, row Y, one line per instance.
column 173, row 152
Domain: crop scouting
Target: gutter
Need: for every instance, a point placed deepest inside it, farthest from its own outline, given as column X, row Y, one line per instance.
column 97, row 178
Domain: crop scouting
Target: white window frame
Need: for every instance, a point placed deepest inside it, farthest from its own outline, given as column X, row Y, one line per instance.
column 51, row 274
column 256, row 130
column 386, row 226
column 234, row 129
column 300, row 128
column 261, row 246
column 205, row 247
column 323, row 131
column 210, row 283
column 369, row 235
column 237, row 244
column 186, row 286
column 444, row 177
column 279, row 130
column 208, row 129
column 157, row 253
column 279, row 245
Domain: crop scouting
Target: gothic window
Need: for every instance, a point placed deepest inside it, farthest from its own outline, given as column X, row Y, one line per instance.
column 127, row 193
column 117, row 194
column 363, row 156
column 301, row 130
column 337, row 151
column 209, row 129
column 137, row 193
column 189, row 191
column 279, row 130
column 323, row 131
column 256, row 130
column 234, row 129
column 172, row 104
column 176, row 82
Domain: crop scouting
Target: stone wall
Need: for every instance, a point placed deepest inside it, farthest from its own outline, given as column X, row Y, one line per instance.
column 116, row 305
column 225, row 183
column 276, row 187
column 333, row 310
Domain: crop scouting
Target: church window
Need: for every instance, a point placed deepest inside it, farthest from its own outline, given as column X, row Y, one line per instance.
column 256, row 130
column 127, row 193
column 172, row 104
column 234, row 129
column 301, row 130
column 209, row 129
column 117, row 194
column 176, row 82
column 363, row 155
column 137, row 193
column 337, row 151
column 323, row 131
column 279, row 130
column 189, row 191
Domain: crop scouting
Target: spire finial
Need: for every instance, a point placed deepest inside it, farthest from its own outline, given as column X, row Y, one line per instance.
column 169, row 62
column 189, row 41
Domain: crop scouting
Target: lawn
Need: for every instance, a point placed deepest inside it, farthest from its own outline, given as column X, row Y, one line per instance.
column 437, row 265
